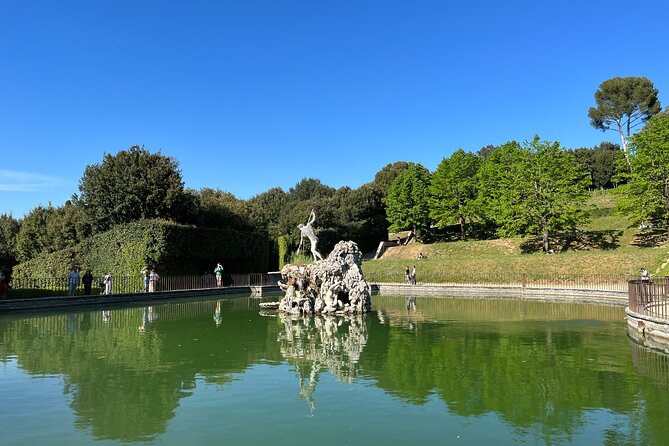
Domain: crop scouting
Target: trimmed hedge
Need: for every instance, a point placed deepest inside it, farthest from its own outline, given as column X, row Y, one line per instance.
column 168, row 247
column 282, row 241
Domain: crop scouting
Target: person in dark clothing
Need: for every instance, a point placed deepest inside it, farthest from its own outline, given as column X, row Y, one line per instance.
column 88, row 281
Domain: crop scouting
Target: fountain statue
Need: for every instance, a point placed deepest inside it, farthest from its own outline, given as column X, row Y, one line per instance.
column 308, row 232
column 334, row 285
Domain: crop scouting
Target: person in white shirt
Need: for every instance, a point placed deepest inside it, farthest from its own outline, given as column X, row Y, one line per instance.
column 73, row 280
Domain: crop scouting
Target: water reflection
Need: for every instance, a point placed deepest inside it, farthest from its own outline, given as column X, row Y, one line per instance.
column 547, row 372
column 314, row 343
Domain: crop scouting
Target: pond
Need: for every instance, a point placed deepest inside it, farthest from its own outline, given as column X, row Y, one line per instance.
column 433, row 370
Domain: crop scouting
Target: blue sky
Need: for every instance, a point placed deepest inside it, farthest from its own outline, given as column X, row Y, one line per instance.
column 249, row 95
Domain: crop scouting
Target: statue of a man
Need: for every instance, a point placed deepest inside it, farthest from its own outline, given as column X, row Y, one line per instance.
column 308, row 231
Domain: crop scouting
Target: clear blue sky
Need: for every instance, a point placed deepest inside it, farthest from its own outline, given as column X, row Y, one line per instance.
column 248, row 95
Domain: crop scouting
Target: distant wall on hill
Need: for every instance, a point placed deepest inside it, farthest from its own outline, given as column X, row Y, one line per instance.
column 168, row 247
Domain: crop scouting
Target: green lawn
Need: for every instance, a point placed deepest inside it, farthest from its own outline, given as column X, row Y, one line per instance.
column 605, row 247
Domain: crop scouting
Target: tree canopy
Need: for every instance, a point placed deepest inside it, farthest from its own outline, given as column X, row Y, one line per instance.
column 9, row 229
column 600, row 163
column 647, row 193
column 407, row 204
column 535, row 188
column 623, row 103
column 134, row 184
column 454, row 190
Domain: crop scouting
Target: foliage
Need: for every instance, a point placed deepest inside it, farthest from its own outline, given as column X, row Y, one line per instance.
column 310, row 188
column 484, row 152
column 385, row 177
column 134, row 184
column 265, row 209
column 169, row 247
column 600, row 163
column 454, row 190
column 220, row 209
column 9, row 229
column 624, row 103
column 408, row 200
column 647, row 193
column 32, row 239
column 282, row 241
column 49, row 229
column 301, row 258
column 533, row 189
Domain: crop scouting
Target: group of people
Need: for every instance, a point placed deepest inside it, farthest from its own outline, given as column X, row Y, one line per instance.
column 150, row 280
column 74, row 279
column 410, row 275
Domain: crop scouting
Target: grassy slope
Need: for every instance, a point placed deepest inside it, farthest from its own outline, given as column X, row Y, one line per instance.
column 607, row 247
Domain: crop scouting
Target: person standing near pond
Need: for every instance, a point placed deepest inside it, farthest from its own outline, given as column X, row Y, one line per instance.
column 219, row 274
column 73, row 280
column 87, row 281
column 413, row 275
column 107, row 281
column 407, row 275
column 145, row 274
column 153, row 281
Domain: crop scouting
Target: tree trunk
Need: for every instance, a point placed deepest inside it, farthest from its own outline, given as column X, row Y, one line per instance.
column 463, row 232
column 623, row 145
column 544, row 228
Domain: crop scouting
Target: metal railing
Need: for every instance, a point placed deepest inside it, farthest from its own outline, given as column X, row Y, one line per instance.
column 590, row 283
column 27, row 287
column 649, row 297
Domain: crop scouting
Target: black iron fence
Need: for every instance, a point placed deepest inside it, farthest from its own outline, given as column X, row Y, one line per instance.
column 38, row 287
column 649, row 296
column 27, row 287
column 589, row 283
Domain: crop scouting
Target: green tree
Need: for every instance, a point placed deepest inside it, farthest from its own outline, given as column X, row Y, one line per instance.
column 604, row 165
column 623, row 103
column 134, row 184
column 266, row 208
column 407, row 205
column 33, row 238
column 9, row 229
column 600, row 163
column 384, row 178
column 454, row 191
column 220, row 209
column 534, row 189
column 362, row 216
column 309, row 188
column 647, row 192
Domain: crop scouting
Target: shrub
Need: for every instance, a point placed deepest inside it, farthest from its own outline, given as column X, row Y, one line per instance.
column 168, row 247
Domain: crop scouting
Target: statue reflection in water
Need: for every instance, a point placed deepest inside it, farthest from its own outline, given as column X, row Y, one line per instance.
column 318, row 343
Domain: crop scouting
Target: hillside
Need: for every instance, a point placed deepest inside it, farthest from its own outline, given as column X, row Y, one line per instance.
column 606, row 246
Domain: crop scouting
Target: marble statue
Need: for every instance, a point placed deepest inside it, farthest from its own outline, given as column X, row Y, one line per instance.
column 308, row 232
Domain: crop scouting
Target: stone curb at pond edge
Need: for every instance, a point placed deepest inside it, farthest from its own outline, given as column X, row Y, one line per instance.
column 40, row 303
column 506, row 292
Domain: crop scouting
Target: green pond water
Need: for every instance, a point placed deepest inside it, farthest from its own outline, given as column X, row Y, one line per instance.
column 449, row 371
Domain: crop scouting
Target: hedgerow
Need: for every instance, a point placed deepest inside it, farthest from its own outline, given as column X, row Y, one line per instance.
column 168, row 247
